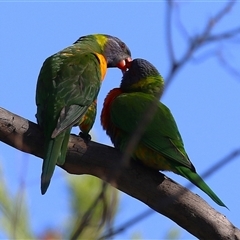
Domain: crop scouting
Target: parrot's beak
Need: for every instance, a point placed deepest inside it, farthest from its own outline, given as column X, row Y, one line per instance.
column 125, row 64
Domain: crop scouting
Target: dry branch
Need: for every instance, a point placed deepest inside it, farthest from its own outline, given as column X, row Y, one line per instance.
column 197, row 41
column 151, row 187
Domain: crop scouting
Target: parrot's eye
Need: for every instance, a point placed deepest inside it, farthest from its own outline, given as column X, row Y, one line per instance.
column 123, row 45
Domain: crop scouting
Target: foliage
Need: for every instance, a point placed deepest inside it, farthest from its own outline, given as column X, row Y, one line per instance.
column 14, row 217
column 93, row 206
column 92, row 203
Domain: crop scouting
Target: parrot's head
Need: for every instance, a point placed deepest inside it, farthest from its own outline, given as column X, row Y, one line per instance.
column 142, row 76
column 116, row 52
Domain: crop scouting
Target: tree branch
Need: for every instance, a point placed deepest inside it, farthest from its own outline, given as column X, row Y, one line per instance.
column 195, row 42
column 151, row 187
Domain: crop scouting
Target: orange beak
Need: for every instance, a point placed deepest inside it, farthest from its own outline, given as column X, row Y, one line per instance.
column 125, row 64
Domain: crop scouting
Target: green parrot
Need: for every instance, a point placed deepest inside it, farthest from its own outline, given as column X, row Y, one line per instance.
column 67, row 89
column 161, row 146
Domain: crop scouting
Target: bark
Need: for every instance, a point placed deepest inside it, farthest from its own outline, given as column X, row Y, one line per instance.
column 154, row 189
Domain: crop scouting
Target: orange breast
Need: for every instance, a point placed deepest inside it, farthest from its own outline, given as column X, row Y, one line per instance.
column 103, row 65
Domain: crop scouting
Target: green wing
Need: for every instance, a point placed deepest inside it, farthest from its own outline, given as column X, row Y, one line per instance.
column 68, row 83
column 161, row 134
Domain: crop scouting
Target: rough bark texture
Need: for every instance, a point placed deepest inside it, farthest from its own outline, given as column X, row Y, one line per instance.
column 151, row 187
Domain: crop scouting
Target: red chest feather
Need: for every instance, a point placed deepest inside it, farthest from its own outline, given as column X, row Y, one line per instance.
column 105, row 115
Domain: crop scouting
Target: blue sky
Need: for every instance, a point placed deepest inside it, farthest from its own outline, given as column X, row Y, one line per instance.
column 204, row 98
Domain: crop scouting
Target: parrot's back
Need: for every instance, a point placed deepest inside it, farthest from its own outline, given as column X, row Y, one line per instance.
column 68, row 83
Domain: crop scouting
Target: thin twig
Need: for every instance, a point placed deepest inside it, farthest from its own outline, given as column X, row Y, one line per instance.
column 227, row 65
column 223, row 36
column 127, row 224
column 199, row 40
column 169, row 9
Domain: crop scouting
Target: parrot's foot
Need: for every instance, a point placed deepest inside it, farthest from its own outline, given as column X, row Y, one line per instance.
column 86, row 137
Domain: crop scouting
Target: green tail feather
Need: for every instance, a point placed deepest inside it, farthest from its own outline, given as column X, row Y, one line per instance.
column 198, row 181
column 56, row 153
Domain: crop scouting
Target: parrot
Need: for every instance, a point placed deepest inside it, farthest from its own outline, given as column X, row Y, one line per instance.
column 67, row 87
column 161, row 146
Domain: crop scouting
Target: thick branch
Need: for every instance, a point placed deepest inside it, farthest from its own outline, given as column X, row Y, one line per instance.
column 153, row 188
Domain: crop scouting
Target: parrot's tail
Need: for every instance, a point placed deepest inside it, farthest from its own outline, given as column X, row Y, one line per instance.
column 198, row 181
column 56, row 153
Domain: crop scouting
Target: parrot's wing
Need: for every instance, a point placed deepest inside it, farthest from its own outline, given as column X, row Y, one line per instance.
column 66, row 90
column 161, row 135
column 69, row 116
column 68, row 83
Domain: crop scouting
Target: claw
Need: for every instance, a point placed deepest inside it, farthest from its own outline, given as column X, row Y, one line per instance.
column 86, row 137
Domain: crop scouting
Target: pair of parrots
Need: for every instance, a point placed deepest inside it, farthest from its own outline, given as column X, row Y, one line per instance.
column 67, row 89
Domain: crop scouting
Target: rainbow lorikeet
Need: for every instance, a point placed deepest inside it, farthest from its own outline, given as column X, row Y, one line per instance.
column 68, row 84
column 160, row 146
